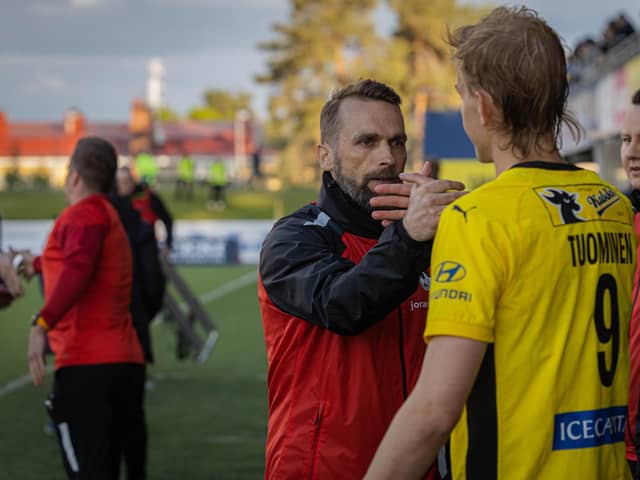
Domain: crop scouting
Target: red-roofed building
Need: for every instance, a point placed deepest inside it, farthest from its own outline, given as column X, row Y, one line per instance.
column 44, row 147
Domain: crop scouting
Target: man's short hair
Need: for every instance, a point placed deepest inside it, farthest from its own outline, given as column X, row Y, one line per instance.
column 635, row 99
column 95, row 160
column 364, row 89
column 520, row 61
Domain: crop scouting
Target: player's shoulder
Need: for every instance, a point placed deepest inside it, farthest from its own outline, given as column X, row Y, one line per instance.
column 93, row 210
column 489, row 201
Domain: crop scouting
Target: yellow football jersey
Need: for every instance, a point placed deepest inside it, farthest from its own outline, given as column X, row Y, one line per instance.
column 538, row 264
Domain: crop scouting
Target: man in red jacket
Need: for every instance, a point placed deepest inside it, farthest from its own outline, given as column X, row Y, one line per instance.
column 343, row 298
column 97, row 398
column 630, row 154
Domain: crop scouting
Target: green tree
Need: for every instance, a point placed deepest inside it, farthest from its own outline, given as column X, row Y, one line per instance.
column 220, row 105
column 420, row 41
column 329, row 43
column 166, row 114
column 323, row 45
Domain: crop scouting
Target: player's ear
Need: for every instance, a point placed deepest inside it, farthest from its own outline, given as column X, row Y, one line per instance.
column 75, row 177
column 486, row 107
column 325, row 156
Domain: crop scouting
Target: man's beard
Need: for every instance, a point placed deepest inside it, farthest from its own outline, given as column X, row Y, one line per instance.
column 362, row 194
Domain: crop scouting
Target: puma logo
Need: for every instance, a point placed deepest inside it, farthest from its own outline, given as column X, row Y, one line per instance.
column 458, row 208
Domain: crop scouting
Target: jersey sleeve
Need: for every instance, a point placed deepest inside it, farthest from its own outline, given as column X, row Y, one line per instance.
column 81, row 238
column 469, row 268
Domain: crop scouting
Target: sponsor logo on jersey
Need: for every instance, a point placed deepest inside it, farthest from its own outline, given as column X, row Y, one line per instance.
column 419, row 305
column 566, row 202
column 448, row 271
column 451, row 294
column 458, row 208
column 602, row 200
column 425, row 281
column 589, row 428
column 569, row 204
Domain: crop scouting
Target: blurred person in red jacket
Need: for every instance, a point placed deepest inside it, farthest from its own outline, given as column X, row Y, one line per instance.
column 98, row 390
column 630, row 155
column 146, row 201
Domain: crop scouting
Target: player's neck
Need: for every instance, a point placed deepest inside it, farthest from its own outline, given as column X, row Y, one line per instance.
column 80, row 195
column 505, row 159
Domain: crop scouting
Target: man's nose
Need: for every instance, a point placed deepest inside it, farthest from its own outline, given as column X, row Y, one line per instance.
column 385, row 154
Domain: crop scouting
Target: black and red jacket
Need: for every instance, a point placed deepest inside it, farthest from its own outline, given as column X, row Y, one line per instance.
column 343, row 305
column 152, row 209
column 632, row 432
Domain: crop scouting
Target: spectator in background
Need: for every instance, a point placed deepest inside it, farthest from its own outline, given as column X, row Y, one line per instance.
column 98, row 391
column 256, row 162
column 217, row 184
column 630, row 156
column 584, row 55
column 147, row 291
column 616, row 31
column 184, row 182
column 610, row 37
column 623, row 27
column 146, row 167
column 147, row 202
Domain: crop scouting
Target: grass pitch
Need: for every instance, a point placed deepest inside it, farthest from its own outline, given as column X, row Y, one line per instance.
column 205, row 421
column 242, row 203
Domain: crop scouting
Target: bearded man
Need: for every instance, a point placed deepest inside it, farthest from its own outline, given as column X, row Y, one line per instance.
column 343, row 293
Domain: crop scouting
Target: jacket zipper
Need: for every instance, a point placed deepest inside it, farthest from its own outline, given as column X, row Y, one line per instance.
column 403, row 367
column 316, row 437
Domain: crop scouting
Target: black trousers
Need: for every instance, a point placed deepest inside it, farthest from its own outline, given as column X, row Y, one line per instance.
column 99, row 416
column 216, row 193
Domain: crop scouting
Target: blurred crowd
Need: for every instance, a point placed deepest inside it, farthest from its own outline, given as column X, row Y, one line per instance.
column 590, row 52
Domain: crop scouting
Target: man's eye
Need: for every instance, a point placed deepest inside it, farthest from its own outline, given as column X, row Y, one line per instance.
column 626, row 138
column 366, row 142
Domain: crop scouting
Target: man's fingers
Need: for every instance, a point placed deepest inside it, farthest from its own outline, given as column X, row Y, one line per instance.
column 445, row 198
column 388, row 214
column 426, row 169
column 13, row 285
column 389, row 201
column 403, row 189
column 434, row 185
column 37, row 369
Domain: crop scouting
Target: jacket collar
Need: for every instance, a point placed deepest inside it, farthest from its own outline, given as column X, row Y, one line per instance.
column 347, row 213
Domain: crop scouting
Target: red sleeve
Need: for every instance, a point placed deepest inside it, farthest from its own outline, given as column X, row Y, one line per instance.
column 81, row 245
column 37, row 264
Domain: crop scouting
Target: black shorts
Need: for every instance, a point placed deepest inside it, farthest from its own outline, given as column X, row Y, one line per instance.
column 99, row 416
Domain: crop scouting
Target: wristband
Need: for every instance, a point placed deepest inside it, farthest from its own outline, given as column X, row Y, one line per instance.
column 38, row 321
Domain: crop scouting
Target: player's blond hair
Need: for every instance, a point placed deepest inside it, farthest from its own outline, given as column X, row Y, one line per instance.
column 519, row 60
